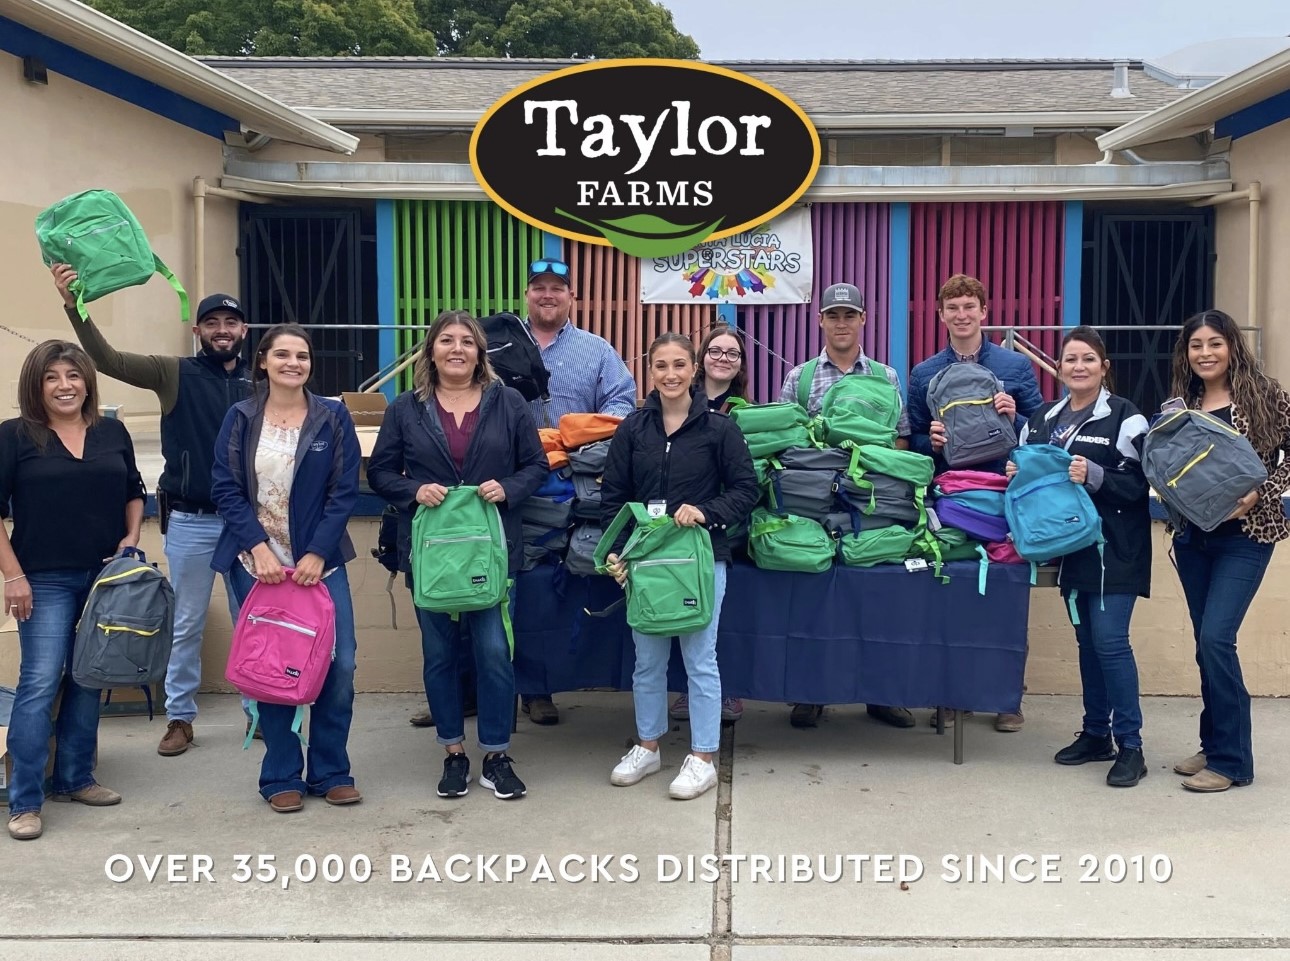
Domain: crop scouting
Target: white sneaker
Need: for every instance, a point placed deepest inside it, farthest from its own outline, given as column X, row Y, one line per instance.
column 637, row 764
column 696, row 777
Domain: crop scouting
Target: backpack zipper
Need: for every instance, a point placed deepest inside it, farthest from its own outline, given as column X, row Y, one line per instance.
column 259, row 619
column 956, row 403
column 1190, row 464
column 101, row 230
column 655, row 561
column 111, row 628
column 455, row 540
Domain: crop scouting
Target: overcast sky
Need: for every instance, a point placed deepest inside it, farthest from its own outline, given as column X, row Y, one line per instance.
column 965, row 29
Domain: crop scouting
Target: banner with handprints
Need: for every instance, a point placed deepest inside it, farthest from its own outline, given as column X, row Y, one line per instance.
column 771, row 264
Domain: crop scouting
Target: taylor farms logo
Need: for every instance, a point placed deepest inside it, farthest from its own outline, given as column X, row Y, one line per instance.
column 649, row 156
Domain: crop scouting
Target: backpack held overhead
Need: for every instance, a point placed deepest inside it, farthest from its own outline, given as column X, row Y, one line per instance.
column 671, row 584
column 126, row 629
column 95, row 233
column 459, row 556
column 1200, row 467
column 283, row 646
column 962, row 398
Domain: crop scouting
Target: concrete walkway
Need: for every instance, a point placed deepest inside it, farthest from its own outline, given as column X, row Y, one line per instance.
column 1213, row 868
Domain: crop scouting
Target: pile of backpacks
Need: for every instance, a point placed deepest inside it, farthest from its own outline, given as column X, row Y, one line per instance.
column 561, row 521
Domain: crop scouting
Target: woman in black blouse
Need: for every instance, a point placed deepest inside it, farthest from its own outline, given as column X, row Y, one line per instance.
column 76, row 498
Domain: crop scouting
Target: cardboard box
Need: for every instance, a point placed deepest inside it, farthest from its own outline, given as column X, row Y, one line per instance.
column 368, row 410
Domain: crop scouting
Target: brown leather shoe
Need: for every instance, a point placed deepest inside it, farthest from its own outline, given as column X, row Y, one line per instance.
column 96, row 796
column 542, row 710
column 343, row 794
column 179, row 734
column 1009, row 723
column 287, row 801
column 951, row 717
column 25, row 827
column 1193, row 765
column 1211, row 782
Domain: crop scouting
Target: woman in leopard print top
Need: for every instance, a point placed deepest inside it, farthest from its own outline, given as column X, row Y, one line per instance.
column 1215, row 371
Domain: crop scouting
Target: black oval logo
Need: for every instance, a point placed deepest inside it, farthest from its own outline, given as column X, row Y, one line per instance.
column 649, row 156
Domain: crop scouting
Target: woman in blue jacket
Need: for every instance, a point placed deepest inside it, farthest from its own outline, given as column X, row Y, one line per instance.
column 459, row 425
column 285, row 482
column 1103, row 433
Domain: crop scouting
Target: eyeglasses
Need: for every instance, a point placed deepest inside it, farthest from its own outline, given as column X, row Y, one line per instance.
column 557, row 267
column 733, row 354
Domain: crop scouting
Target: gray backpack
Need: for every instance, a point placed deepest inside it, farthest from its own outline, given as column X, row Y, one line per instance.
column 1200, row 467
column 891, row 498
column 589, row 458
column 581, row 558
column 127, row 627
column 545, row 512
column 962, row 398
column 800, row 480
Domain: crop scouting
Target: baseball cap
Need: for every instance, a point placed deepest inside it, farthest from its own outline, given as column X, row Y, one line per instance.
column 556, row 268
column 219, row 302
column 842, row 295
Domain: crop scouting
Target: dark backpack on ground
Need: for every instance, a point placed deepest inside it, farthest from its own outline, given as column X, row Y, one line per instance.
column 961, row 397
column 1200, row 467
column 515, row 356
column 127, row 627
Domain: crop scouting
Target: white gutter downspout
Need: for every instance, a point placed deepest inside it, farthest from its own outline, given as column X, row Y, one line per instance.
column 202, row 190
column 1254, row 195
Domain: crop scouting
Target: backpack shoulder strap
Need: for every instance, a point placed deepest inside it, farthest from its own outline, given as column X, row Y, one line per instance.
column 169, row 274
column 804, row 381
column 628, row 512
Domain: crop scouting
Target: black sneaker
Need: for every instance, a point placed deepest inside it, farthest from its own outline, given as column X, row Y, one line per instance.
column 456, row 776
column 1129, row 768
column 1086, row 748
column 499, row 777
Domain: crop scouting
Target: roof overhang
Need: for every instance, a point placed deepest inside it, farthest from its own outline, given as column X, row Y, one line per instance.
column 1200, row 110
column 98, row 35
column 377, row 119
column 442, row 181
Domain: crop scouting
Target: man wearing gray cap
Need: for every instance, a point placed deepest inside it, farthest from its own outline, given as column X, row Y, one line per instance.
column 842, row 319
column 195, row 393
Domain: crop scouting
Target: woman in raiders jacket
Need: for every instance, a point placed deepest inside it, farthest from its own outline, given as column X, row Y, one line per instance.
column 1104, row 434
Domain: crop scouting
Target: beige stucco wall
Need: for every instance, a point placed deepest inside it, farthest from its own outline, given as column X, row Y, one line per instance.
column 390, row 660
column 1259, row 157
column 67, row 137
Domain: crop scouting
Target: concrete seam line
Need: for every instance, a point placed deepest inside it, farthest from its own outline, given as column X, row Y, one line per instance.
column 722, row 891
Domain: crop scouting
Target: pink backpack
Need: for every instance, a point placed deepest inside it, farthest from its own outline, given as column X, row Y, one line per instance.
column 957, row 481
column 283, row 646
column 1002, row 552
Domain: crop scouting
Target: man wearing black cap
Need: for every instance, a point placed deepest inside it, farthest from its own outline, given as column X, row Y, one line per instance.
column 195, row 393
column 842, row 319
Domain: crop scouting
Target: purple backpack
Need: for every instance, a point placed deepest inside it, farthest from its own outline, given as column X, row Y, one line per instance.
column 283, row 646
column 976, row 524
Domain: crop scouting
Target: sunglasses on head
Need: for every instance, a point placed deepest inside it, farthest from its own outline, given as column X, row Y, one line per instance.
column 557, row 267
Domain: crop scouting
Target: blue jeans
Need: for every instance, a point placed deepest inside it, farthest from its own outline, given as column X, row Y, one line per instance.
column 190, row 544
column 329, row 716
column 443, row 643
column 1108, row 673
column 46, row 640
column 649, row 680
column 1220, row 576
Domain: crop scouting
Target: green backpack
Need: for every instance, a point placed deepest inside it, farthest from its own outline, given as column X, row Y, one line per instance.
column 95, row 232
column 951, row 544
column 459, row 557
column 788, row 543
column 861, row 408
column 771, row 428
column 671, row 584
column 882, row 545
column 905, row 465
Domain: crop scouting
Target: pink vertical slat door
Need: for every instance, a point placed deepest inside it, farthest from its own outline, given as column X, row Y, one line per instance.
column 1015, row 249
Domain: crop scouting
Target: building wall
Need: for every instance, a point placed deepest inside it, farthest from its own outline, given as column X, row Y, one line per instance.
column 390, row 660
column 1259, row 157
column 67, row 137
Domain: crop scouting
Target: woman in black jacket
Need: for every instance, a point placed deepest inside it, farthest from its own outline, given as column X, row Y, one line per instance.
column 677, row 457
column 460, row 425
column 1104, row 434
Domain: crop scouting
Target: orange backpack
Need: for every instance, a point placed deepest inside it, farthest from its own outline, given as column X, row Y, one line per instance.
column 554, row 447
column 579, row 429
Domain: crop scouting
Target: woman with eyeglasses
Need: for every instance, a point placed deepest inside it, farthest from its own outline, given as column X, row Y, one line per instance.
column 1215, row 371
column 722, row 376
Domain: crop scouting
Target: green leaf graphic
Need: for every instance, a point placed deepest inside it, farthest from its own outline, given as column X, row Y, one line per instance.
column 659, row 239
column 646, row 224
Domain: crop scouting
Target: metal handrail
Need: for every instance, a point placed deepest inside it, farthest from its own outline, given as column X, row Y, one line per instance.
column 1256, row 332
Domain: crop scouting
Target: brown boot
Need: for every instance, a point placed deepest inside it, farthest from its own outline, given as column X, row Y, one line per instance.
column 179, row 734
column 1193, row 765
column 1009, row 723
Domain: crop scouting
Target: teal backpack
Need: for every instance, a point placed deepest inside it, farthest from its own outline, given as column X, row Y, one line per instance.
column 671, row 581
column 861, row 408
column 459, row 556
column 95, row 233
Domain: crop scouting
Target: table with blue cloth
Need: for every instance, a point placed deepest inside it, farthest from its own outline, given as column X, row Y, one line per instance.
column 877, row 635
